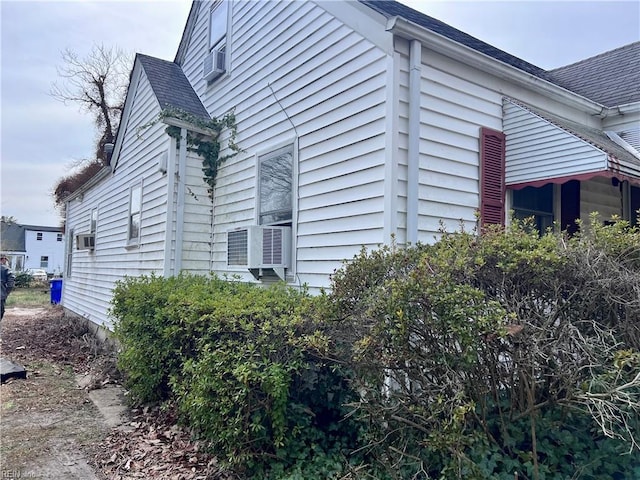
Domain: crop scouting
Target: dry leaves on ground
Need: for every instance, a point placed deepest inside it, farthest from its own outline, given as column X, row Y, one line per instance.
column 152, row 446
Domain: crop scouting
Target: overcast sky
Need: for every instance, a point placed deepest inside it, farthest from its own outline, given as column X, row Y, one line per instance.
column 40, row 138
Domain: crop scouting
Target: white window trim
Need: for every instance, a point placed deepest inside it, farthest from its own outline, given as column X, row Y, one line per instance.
column 224, row 41
column 293, row 143
column 133, row 242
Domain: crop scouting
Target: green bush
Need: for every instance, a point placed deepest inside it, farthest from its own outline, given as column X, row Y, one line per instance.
column 23, row 279
column 244, row 366
column 472, row 353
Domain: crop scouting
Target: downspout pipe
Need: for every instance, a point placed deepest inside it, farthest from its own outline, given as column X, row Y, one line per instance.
column 182, row 173
column 172, row 178
column 413, row 160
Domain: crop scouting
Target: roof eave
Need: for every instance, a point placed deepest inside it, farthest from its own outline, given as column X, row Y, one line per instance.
column 406, row 29
column 102, row 173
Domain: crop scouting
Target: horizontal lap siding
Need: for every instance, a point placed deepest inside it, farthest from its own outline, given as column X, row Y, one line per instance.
column 196, row 248
column 291, row 62
column 88, row 293
column 537, row 149
column 455, row 103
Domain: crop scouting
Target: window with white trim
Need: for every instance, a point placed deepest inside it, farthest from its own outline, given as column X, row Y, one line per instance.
column 69, row 250
column 44, row 262
column 39, row 236
column 94, row 221
column 216, row 62
column 135, row 211
column 58, row 237
column 275, row 192
column 218, row 18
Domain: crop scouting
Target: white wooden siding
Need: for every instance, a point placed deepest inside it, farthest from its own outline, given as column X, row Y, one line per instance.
column 88, row 287
column 323, row 83
column 454, row 105
column 537, row 149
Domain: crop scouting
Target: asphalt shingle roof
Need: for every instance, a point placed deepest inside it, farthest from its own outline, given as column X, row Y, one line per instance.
column 391, row 8
column 171, row 87
column 611, row 78
column 12, row 237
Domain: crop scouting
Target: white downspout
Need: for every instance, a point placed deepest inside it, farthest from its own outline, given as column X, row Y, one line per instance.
column 415, row 73
column 169, row 231
column 182, row 172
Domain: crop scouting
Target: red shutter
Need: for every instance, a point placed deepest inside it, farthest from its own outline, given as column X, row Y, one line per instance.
column 492, row 189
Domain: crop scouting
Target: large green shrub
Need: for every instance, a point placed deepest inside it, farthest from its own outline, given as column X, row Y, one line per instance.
column 473, row 353
column 244, row 366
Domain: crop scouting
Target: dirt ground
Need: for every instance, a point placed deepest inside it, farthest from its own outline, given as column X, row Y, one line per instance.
column 50, row 423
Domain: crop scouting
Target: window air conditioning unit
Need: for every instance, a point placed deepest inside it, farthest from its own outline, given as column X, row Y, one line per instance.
column 260, row 247
column 213, row 65
column 85, row 242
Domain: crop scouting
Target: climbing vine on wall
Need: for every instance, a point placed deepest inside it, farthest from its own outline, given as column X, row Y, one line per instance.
column 205, row 145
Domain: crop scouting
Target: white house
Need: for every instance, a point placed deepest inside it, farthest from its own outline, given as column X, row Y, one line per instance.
column 357, row 122
column 34, row 247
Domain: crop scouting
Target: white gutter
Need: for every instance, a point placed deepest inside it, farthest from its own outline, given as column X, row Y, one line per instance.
column 182, row 172
column 413, row 161
column 172, row 178
column 467, row 55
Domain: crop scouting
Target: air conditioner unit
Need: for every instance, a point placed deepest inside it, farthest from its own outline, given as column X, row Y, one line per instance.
column 85, row 242
column 213, row 65
column 260, row 247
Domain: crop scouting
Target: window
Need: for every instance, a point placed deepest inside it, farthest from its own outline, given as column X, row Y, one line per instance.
column 218, row 23
column 536, row 203
column 135, row 209
column 44, row 262
column 275, row 195
column 94, row 221
column 39, row 236
column 59, row 237
column 69, row 250
column 492, row 186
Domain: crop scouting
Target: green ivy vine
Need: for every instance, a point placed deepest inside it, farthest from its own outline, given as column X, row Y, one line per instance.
column 207, row 146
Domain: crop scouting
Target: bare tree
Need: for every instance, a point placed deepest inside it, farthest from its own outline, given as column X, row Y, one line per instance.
column 97, row 83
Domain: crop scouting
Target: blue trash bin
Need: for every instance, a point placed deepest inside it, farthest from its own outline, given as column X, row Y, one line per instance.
column 56, row 290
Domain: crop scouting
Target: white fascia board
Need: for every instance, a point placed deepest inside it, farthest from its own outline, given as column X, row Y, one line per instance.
column 452, row 49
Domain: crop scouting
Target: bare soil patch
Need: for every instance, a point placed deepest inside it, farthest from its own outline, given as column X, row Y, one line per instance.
column 50, row 428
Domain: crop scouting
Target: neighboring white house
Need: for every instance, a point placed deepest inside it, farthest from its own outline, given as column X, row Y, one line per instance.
column 34, row 247
column 358, row 122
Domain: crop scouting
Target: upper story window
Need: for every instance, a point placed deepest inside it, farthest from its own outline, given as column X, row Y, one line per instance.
column 135, row 211
column 218, row 16
column 275, row 187
column 59, row 237
column 39, row 236
column 215, row 63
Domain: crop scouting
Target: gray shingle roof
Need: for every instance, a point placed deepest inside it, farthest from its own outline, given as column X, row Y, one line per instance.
column 171, row 87
column 611, row 78
column 12, row 237
column 391, row 8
